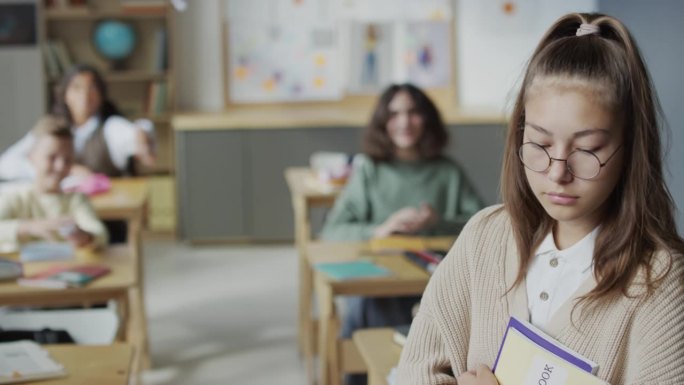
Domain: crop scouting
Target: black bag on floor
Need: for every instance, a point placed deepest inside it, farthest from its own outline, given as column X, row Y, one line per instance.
column 44, row 336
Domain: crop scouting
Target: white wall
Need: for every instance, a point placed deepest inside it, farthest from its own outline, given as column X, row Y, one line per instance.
column 22, row 97
column 664, row 54
column 198, row 57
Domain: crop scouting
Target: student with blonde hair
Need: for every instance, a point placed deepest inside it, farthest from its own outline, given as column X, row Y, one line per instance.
column 585, row 244
column 41, row 210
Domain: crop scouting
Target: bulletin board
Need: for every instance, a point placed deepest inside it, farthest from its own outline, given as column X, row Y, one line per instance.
column 328, row 50
column 468, row 54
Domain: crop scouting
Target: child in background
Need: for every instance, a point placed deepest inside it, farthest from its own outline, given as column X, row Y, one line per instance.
column 585, row 245
column 41, row 210
column 402, row 184
column 104, row 141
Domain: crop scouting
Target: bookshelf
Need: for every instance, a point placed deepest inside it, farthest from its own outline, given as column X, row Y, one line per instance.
column 145, row 85
column 66, row 30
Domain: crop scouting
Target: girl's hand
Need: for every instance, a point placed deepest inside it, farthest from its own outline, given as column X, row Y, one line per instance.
column 408, row 220
column 144, row 150
column 481, row 376
column 79, row 238
column 47, row 229
column 399, row 222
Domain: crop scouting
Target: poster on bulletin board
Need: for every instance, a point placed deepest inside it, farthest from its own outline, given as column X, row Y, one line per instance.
column 281, row 51
column 316, row 50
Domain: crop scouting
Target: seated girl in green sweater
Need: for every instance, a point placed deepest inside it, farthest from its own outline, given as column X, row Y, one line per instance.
column 402, row 184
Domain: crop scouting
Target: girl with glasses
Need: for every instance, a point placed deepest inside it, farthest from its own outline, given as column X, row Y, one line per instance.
column 585, row 244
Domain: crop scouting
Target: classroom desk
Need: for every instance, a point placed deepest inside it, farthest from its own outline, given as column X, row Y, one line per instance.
column 305, row 196
column 120, row 285
column 338, row 356
column 91, row 364
column 127, row 201
column 379, row 352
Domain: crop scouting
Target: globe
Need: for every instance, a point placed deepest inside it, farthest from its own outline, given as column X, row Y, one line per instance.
column 114, row 40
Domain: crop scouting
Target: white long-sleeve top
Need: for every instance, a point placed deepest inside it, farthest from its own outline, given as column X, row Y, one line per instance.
column 119, row 134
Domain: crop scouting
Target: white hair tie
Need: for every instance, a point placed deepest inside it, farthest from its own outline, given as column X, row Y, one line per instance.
column 587, row 29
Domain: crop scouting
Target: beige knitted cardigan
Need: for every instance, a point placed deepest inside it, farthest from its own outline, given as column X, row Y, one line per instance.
column 465, row 310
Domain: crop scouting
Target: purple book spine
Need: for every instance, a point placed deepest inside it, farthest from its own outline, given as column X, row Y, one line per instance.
column 543, row 343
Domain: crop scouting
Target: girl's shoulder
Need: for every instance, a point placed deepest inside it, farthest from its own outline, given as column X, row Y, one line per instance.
column 118, row 122
column 491, row 220
column 665, row 272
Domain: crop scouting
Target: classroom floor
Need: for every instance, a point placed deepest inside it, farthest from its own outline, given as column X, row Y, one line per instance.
column 222, row 314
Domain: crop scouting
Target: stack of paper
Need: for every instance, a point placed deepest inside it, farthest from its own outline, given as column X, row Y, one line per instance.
column 26, row 361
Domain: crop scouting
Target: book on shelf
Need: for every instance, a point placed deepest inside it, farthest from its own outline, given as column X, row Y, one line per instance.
column 60, row 277
column 64, row 59
column 529, row 356
column 400, row 334
column 50, row 59
column 156, row 99
column 23, row 361
column 160, row 62
column 57, row 58
column 348, row 270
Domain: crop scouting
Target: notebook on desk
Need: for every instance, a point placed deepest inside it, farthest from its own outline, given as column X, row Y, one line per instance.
column 352, row 270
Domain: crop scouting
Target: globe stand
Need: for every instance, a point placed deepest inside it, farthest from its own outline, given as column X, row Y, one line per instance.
column 117, row 65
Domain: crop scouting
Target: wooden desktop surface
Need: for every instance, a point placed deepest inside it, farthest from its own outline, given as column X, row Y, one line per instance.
column 125, row 200
column 406, row 278
column 338, row 356
column 116, row 283
column 91, row 364
column 379, row 352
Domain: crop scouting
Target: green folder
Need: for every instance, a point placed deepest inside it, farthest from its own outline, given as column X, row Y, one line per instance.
column 352, row 270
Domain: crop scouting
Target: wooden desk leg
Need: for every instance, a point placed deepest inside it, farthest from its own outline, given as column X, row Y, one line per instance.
column 138, row 302
column 124, row 314
column 327, row 335
column 335, row 345
column 138, row 336
column 302, row 236
column 307, row 324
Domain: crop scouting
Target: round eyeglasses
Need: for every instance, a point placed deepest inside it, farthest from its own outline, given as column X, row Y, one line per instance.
column 582, row 164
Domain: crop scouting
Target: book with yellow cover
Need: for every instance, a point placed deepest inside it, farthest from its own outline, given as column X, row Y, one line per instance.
column 529, row 356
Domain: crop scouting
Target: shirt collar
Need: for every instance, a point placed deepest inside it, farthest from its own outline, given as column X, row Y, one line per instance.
column 580, row 255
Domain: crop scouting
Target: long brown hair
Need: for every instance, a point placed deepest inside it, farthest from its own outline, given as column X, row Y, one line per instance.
column 60, row 108
column 376, row 141
column 639, row 215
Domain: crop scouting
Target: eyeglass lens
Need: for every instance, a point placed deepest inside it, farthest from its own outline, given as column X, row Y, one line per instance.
column 582, row 164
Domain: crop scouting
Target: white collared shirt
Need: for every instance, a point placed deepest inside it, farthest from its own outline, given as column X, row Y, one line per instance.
column 554, row 276
column 119, row 134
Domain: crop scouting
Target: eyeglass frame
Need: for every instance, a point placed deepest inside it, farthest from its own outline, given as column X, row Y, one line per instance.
column 551, row 159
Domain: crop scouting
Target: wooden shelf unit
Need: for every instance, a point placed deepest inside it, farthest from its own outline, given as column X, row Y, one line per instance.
column 129, row 87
